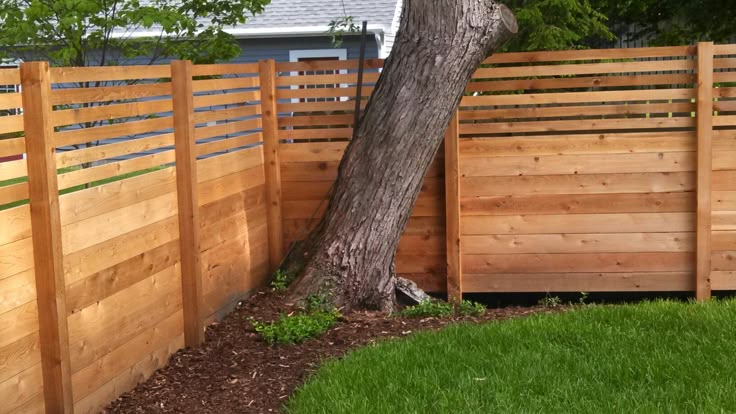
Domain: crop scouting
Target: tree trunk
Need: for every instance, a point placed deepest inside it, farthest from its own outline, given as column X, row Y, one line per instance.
column 349, row 255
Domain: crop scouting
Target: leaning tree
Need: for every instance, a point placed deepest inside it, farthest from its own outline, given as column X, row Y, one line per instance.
column 349, row 255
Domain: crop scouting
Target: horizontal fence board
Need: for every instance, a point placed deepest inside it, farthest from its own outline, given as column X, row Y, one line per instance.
column 108, row 73
column 72, row 96
column 223, row 114
column 723, row 260
column 16, row 257
column 90, row 202
column 579, row 97
column 226, row 128
column 540, row 112
column 579, row 282
column 724, row 220
column 578, row 243
column 114, row 169
column 19, row 356
column 585, row 69
column 222, row 165
column 24, row 392
column 126, row 129
column 14, row 192
column 222, row 187
column 310, row 152
column 119, row 277
column 578, row 263
column 13, row 169
column 224, row 69
column 113, row 321
column 723, row 280
column 77, row 236
column 724, row 200
column 531, row 84
column 578, row 164
column 120, row 359
column 579, row 223
column 84, row 263
column 229, row 143
column 578, row 184
column 10, row 101
column 16, row 224
column 17, row 290
column 12, row 146
column 18, row 323
column 584, row 125
column 94, row 114
column 225, row 84
column 594, row 54
column 218, row 99
column 723, row 240
column 581, row 204
column 117, row 149
column 11, row 124
column 304, row 107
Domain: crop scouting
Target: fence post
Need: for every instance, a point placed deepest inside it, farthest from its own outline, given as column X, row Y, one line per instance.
column 705, row 169
column 186, row 190
column 269, row 119
column 452, row 211
column 46, row 233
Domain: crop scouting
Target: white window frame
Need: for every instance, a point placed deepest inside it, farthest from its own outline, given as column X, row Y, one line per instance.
column 13, row 64
column 340, row 54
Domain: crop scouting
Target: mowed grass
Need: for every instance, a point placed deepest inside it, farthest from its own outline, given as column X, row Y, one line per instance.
column 655, row 357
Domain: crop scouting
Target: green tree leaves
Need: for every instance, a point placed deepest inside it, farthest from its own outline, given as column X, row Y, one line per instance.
column 108, row 32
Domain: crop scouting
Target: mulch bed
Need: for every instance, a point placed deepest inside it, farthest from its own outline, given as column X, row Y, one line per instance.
column 236, row 372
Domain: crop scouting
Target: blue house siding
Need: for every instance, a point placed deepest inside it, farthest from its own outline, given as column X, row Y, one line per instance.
column 278, row 48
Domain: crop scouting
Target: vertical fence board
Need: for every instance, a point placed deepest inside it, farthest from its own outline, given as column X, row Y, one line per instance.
column 704, row 168
column 452, row 211
column 186, row 186
column 46, row 234
column 267, row 71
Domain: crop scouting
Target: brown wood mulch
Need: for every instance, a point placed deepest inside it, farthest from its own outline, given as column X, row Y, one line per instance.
column 236, row 372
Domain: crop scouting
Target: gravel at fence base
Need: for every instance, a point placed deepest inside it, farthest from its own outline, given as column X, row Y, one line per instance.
column 236, row 372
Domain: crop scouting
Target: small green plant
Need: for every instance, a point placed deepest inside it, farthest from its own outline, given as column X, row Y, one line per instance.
column 316, row 302
column 428, row 308
column 583, row 298
column 292, row 329
column 550, row 301
column 470, row 308
column 281, row 280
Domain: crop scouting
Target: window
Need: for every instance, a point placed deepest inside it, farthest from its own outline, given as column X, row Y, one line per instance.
column 317, row 54
column 5, row 65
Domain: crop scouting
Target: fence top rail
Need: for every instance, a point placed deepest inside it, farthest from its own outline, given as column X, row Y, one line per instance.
column 108, row 73
column 9, row 76
column 591, row 54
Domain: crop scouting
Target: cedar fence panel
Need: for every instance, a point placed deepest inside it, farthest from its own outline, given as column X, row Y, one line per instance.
column 597, row 170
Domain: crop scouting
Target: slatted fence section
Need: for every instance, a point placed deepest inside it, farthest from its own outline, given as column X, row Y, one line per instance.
column 119, row 228
column 21, row 381
column 316, row 101
column 723, row 243
column 231, row 184
column 578, row 172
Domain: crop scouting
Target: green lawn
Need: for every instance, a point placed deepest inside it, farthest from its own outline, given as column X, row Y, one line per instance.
column 657, row 357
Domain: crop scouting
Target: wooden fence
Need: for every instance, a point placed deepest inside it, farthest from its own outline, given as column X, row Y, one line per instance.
column 182, row 186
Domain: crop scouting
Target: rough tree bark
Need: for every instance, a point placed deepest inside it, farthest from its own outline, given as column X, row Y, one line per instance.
column 349, row 255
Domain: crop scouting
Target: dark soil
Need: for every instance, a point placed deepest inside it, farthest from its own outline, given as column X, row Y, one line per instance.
column 236, row 372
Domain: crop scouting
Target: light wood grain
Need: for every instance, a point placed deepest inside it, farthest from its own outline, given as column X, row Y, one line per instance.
column 272, row 163
column 704, row 168
column 580, row 282
column 47, row 237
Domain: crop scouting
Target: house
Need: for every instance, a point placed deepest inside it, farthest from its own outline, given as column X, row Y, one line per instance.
column 293, row 30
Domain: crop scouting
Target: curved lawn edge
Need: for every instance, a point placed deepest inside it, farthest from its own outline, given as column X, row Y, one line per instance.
column 657, row 356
